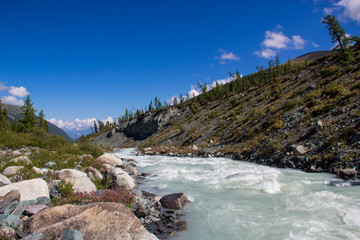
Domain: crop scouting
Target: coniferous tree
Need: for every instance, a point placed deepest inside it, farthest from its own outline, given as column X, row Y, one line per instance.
column 42, row 123
column 28, row 122
column 95, row 127
column 336, row 32
column 4, row 122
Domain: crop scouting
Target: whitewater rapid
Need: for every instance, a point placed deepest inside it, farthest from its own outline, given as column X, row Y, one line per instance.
column 237, row 200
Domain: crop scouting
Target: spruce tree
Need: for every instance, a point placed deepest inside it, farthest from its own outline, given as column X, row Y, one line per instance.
column 28, row 122
column 42, row 123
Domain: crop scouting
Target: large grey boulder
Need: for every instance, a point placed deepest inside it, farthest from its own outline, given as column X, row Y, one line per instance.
column 81, row 182
column 118, row 178
column 29, row 189
column 110, row 159
column 95, row 221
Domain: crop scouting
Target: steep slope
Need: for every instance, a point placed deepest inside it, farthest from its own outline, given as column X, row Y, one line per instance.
column 14, row 113
column 307, row 118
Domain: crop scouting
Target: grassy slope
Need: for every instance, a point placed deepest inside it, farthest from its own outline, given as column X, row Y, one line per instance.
column 263, row 122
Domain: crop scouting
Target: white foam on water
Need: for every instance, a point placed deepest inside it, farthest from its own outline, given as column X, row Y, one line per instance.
column 237, row 200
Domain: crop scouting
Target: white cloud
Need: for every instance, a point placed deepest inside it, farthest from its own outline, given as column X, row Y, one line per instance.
column 77, row 124
column 18, row 91
column 171, row 100
column 227, row 56
column 275, row 40
column 12, row 100
column 266, row 53
column 298, row 42
column 193, row 92
column 314, row 44
column 351, row 9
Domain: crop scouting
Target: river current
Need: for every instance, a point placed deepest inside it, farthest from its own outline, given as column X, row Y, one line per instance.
column 238, row 200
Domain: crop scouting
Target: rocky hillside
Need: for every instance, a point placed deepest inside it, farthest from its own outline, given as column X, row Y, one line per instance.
column 307, row 117
column 14, row 113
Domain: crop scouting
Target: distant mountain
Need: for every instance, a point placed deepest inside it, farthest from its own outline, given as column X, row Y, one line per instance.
column 77, row 133
column 14, row 113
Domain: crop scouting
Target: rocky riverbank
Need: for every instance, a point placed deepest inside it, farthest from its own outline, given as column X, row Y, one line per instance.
column 296, row 156
column 98, row 201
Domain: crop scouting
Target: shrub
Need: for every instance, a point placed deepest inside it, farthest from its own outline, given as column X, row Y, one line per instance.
column 66, row 189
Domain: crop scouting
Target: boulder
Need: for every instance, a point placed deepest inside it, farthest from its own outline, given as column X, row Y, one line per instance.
column 12, row 170
column 95, row 221
column 29, row 189
column 132, row 170
column 109, row 159
column 80, row 180
column 118, row 178
column 4, row 180
column 94, row 171
column 21, row 159
column 50, row 165
column 300, row 150
column 16, row 153
column 70, row 173
column 348, row 173
column 174, row 200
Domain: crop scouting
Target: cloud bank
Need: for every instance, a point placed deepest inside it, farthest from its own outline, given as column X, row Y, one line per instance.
column 15, row 94
column 277, row 40
column 77, row 124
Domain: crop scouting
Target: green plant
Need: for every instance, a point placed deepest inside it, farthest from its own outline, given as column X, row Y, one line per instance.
column 65, row 188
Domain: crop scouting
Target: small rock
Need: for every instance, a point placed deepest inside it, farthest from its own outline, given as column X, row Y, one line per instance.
column 348, row 173
column 174, row 200
column 4, row 180
column 145, row 174
column 10, row 220
column 22, row 206
column 8, row 207
column 50, row 165
column 95, row 172
column 16, row 153
column 72, row 234
column 34, row 236
column 318, row 125
column 12, row 170
column 31, row 210
column 300, row 150
column 132, row 170
column 21, row 159
column 43, row 201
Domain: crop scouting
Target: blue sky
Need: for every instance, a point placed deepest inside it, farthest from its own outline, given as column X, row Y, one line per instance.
column 92, row 59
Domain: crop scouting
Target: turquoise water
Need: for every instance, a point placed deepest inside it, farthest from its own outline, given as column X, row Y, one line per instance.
column 238, row 200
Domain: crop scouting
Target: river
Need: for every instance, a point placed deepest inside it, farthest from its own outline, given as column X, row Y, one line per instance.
column 238, row 200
